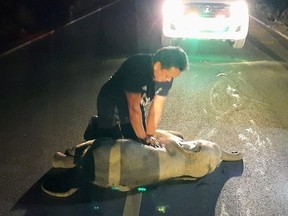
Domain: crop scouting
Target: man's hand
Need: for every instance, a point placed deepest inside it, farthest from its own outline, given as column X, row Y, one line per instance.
column 151, row 141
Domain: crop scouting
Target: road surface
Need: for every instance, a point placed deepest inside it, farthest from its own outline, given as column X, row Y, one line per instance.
column 235, row 97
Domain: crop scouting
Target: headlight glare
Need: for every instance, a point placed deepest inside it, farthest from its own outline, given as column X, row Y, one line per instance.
column 172, row 9
column 239, row 9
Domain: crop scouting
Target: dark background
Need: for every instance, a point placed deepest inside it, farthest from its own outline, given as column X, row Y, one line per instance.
column 22, row 20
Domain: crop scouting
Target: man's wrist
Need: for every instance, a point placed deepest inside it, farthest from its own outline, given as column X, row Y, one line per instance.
column 148, row 137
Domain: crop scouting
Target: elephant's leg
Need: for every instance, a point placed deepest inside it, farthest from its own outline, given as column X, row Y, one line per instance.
column 72, row 156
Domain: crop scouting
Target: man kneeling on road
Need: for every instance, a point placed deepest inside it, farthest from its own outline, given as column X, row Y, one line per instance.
column 143, row 79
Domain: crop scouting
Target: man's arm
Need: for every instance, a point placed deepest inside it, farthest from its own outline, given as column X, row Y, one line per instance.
column 155, row 113
column 135, row 114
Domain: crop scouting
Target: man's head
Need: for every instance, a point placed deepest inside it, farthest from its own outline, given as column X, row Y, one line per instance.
column 169, row 62
column 171, row 57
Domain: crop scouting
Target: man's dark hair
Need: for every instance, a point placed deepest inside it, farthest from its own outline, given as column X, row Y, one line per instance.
column 172, row 57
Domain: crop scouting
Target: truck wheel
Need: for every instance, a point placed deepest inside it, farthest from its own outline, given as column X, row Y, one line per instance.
column 238, row 44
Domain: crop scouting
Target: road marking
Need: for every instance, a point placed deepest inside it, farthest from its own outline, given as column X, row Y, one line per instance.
column 47, row 34
column 132, row 204
column 273, row 29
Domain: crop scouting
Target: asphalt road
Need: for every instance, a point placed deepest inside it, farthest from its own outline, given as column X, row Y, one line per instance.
column 235, row 97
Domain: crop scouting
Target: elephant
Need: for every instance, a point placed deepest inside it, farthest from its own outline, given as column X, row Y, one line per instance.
column 125, row 164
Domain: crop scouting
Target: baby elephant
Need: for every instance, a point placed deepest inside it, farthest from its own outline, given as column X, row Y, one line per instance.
column 125, row 164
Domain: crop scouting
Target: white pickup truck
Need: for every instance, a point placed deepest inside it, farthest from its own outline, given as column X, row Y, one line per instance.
column 205, row 19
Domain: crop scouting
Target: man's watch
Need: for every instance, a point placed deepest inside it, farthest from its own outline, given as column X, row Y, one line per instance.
column 150, row 140
column 146, row 140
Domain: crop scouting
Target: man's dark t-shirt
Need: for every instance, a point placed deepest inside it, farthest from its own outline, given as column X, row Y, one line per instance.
column 136, row 76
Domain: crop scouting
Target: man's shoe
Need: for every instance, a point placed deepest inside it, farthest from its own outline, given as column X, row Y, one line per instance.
column 91, row 130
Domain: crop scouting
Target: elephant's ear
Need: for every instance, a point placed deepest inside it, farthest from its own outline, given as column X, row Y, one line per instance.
column 177, row 134
column 183, row 146
column 191, row 146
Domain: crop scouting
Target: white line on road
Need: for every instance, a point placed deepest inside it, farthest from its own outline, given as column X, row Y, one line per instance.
column 132, row 204
column 53, row 31
column 273, row 29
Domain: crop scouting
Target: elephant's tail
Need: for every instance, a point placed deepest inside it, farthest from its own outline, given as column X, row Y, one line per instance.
column 233, row 156
column 67, row 193
column 62, row 182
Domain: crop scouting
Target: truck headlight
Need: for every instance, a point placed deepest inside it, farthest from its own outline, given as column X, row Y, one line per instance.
column 172, row 9
column 239, row 10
